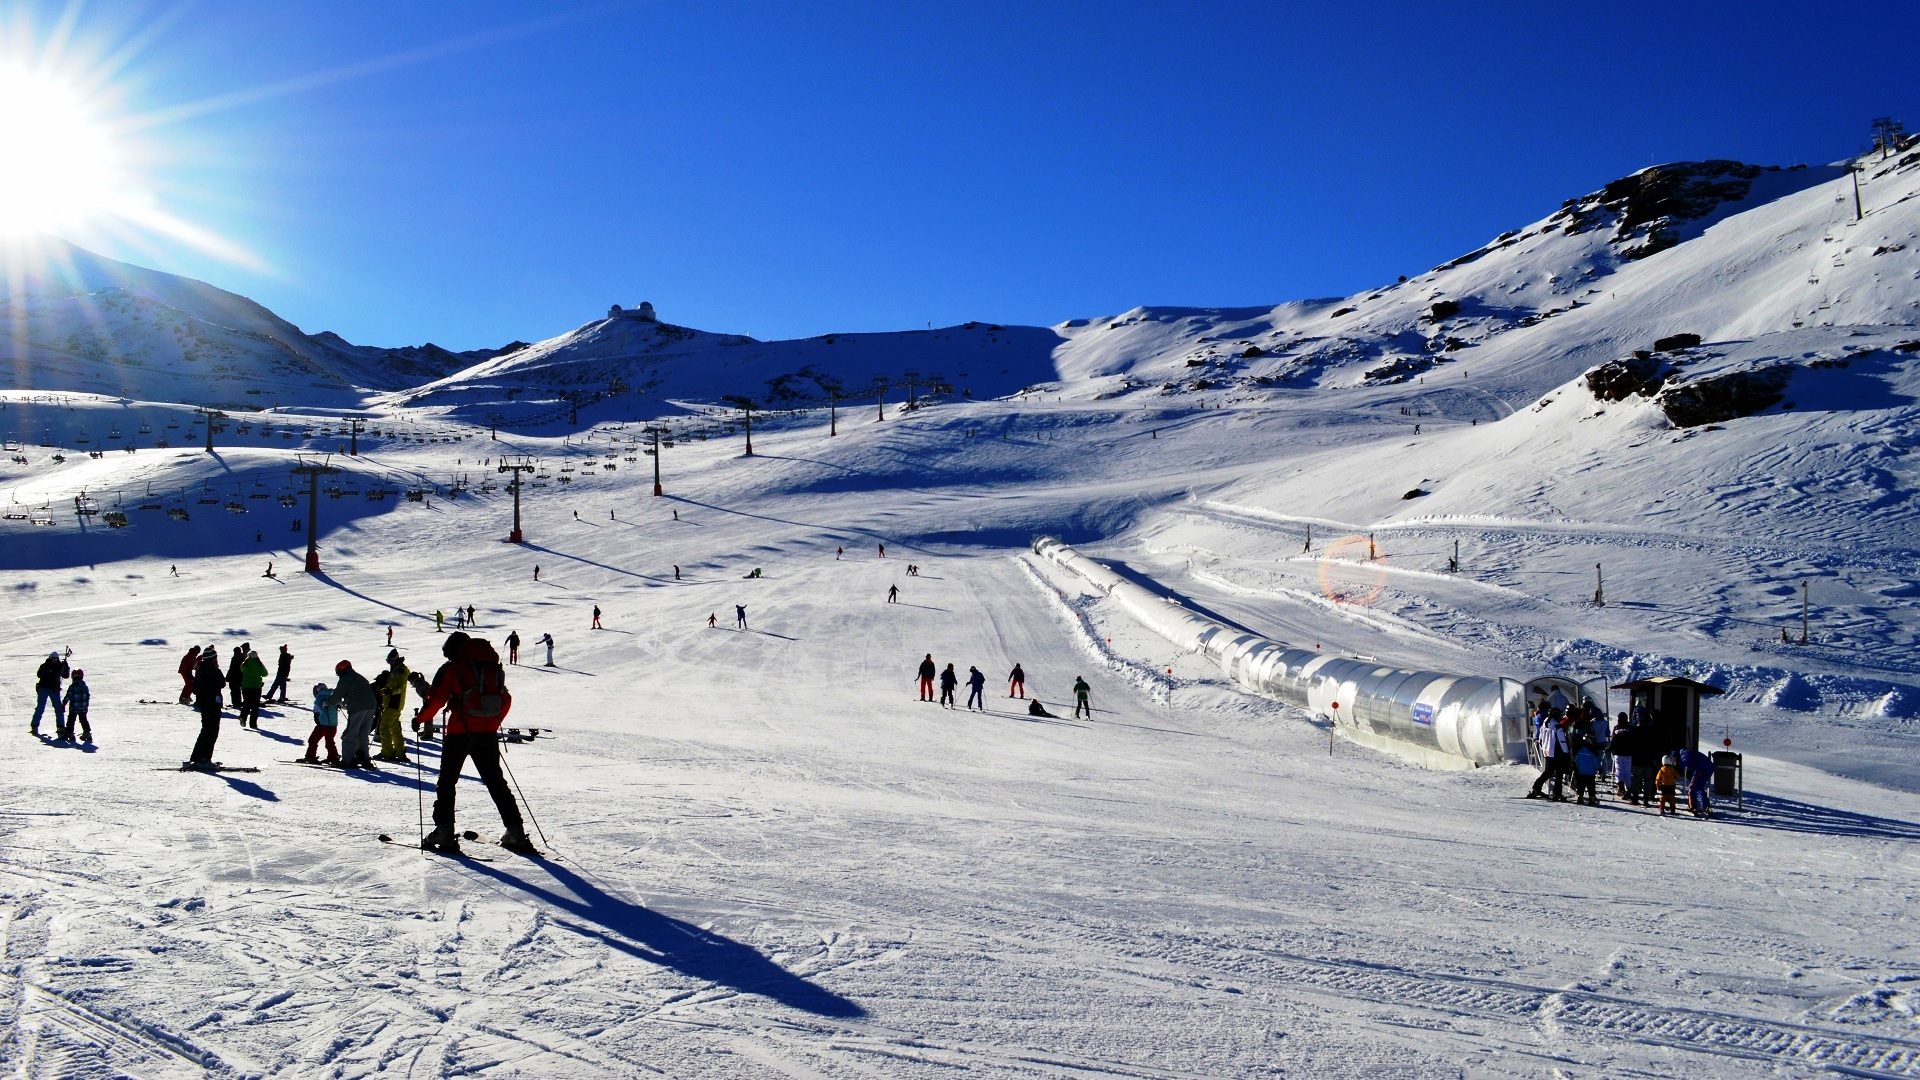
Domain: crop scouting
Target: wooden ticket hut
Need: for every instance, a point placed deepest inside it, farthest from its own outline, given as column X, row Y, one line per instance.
column 1677, row 700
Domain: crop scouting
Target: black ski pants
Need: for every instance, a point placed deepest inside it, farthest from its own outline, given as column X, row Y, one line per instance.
column 279, row 686
column 209, row 732
column 484, row 748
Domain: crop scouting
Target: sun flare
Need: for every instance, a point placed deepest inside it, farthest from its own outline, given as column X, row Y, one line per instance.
column 58, row 165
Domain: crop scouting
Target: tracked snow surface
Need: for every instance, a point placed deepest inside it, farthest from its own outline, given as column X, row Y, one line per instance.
column 767, row 858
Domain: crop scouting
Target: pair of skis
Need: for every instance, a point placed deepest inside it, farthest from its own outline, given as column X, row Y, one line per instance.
column 464, row 853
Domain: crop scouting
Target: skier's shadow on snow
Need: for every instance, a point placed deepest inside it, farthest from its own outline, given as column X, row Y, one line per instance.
column 248, row 788
column 590, row 562
column 922, row 607
column 668, row 942
column 1792, row 815
column 321, row 576
column 763, row 633
column 277, row 737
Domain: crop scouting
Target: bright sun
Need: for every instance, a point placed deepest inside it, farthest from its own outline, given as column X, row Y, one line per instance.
column 58, row 168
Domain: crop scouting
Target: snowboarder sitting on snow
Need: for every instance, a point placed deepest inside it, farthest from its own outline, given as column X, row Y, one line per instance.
column 79, row 696
column 325, row 719
column 47, row 686
column 472, row 687
column 1037, row 709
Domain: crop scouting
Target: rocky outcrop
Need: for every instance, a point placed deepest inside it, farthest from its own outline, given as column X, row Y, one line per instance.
column 1725, row 397
column 1620, row 379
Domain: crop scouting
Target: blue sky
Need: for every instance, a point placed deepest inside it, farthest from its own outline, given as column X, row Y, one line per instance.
column 478, row 172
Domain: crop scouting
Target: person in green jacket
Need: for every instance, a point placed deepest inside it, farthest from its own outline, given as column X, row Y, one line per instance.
column 1080, row 691
column 253, row 676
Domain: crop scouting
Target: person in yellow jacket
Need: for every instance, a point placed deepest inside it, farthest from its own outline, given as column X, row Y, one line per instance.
column 393, row 745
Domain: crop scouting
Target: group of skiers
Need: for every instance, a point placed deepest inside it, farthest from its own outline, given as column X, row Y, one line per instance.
column 470, row 688
column 67, row 712
column 1648, row 760
column 928, row 673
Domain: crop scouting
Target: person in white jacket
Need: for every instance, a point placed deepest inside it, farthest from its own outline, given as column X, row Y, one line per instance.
column 1555, row 757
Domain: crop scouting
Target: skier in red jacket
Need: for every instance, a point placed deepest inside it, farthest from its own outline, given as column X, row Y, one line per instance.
column 472, row 687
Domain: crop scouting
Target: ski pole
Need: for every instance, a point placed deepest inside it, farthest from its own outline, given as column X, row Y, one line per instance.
column 523, row 796
column 420, row 793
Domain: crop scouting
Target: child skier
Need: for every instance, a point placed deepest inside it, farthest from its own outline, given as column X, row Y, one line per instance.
column 1664, row 780
column 79, row 695
column 325, row 718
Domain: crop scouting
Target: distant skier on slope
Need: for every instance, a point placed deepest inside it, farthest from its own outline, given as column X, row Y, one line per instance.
column 547, row 640
column 596, row 618
column 1017, row 682
column 893, row 594
column 976, row 686
column 513, row 646
column 1080, row 692
column 740, row 616
column 472, row 687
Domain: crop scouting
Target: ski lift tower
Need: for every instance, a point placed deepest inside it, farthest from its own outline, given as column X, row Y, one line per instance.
column 524, row 465
column 208, row 416
column 354, row 426
column 656, row 431
column 312, row 470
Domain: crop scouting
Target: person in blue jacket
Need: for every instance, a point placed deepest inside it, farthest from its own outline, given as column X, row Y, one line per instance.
column 1698, row 769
